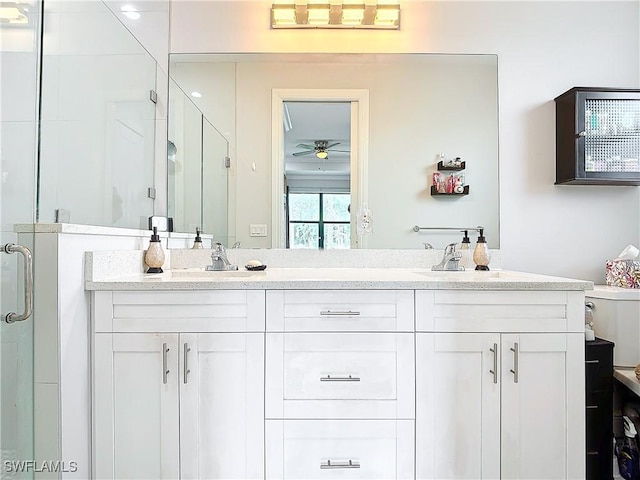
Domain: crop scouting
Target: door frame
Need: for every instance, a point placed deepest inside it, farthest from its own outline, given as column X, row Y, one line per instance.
column 359, row 99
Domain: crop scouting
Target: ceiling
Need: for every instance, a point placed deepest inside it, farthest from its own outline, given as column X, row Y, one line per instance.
column 311, row 121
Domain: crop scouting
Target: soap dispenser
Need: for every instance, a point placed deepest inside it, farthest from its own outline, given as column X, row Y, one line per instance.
column 481, row 252
column 154, row 257
column 465, row 248
column 466, row 243
column 197, row 243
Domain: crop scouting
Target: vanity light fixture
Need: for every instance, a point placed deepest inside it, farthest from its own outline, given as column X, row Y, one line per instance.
column 311, row 14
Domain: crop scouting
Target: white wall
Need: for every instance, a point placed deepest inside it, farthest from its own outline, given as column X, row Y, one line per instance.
column 543, row 48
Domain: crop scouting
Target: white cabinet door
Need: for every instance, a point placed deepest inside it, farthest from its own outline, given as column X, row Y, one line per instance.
column 222, row 405
column 542, row 436
column 136, row 406
column 457, row 406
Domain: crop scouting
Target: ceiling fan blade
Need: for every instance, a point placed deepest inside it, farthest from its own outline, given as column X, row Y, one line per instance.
column 306, row 145
column 339, row 151
column 333, row 144
column 306, row 152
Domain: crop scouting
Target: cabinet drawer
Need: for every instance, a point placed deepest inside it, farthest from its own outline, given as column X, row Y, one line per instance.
column 180, row 311
column 321, row 449
column 340, row 375
column 498, row 311
column 340, row 310
column 597, row 376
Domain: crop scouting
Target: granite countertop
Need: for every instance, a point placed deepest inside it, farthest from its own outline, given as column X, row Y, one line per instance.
column 336, row 278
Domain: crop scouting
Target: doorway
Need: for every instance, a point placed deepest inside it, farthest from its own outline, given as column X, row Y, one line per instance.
column 317, row 171
column 358, row 105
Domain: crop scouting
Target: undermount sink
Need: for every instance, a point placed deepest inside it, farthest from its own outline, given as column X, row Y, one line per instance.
column 202, row 273
column 467, row 275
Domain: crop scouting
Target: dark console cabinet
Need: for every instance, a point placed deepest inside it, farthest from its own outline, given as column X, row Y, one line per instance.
column 599, row 409
column 598, row 137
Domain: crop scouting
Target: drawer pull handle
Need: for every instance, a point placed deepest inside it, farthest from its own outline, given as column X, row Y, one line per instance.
column 592, row 361
column 330, row 464
column 339, row 313
column 592, row 406
column 593, row 453
column 349, row 378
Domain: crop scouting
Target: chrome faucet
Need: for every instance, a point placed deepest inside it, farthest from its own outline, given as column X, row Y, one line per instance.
column 449, row 260
column 219, row 260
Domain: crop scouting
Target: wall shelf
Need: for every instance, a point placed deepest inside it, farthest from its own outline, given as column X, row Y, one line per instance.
column 434, row 192
column 443, row 167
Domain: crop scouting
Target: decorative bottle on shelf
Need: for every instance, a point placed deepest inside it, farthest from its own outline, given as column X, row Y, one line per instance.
column 481, row 253
column 154, row 257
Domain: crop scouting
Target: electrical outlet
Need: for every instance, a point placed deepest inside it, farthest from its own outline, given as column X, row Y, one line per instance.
column 257, row 230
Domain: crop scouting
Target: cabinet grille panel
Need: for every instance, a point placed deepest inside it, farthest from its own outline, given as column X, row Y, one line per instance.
column 612, row 140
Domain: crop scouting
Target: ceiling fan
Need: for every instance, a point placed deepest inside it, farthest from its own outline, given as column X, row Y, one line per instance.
column 319, row 147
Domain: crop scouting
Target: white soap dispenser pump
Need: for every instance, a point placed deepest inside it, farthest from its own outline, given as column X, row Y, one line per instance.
column 481, row 252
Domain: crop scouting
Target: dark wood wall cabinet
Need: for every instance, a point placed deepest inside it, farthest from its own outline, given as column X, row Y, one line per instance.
column 599, row 409
column 598, row 137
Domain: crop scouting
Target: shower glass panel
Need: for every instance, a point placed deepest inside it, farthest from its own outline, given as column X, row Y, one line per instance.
column 214, row 183
column 185, row 165
column 97, row 119
column 19, row 58
column 198, row 177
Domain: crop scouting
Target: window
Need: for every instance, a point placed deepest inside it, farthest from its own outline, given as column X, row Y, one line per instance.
column 318, row 220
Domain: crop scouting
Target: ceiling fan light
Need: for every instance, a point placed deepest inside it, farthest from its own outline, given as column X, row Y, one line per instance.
column 322, row 154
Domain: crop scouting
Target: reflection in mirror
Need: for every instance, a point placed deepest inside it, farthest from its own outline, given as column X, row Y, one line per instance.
column 420, row 106
column 317, row 174
column 197, row 172
column 97, row 141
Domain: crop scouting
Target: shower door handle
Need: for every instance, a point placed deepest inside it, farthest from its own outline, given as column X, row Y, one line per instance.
column 28, row 283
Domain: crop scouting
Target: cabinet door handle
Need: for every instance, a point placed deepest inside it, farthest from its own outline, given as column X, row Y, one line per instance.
column 515, row 350
column 186, row 370
column 332, row 464
column 339, row 313
column 494, row 350
column 348, row 378
column 592, row 361
column 165, row 369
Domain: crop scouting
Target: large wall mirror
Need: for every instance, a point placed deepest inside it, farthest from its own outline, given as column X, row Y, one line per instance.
column 296, row 159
